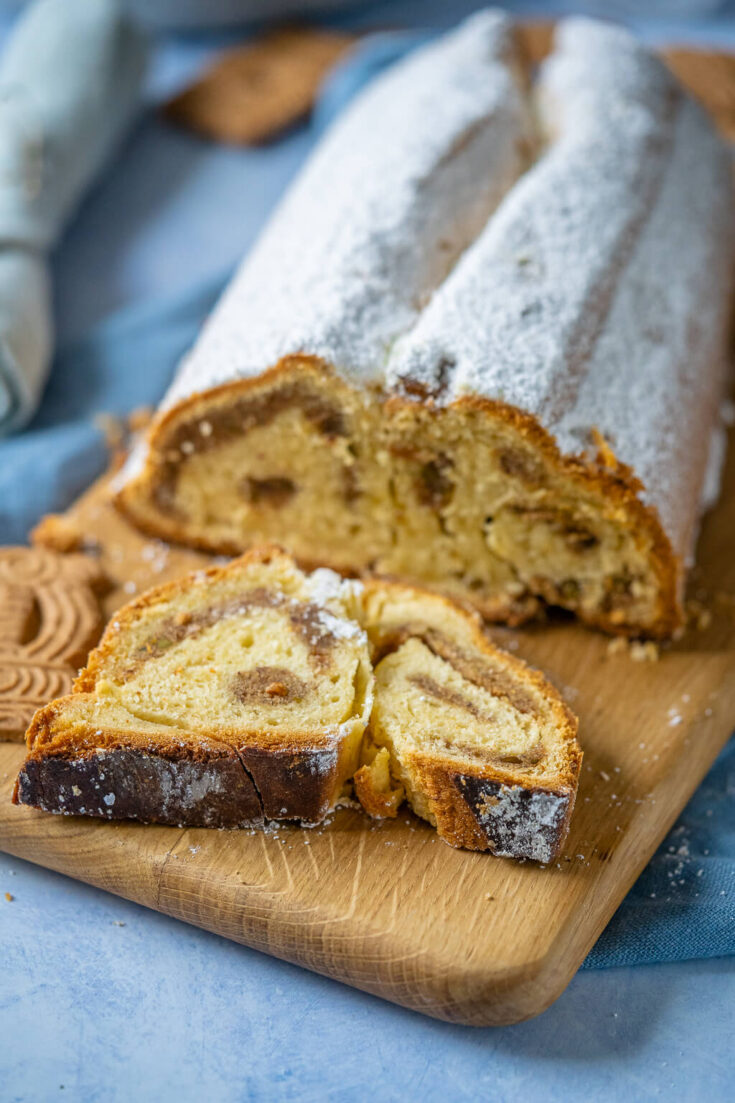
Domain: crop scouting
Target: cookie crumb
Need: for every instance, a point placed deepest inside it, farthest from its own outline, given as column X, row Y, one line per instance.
column 140, row 418
column 112, row 428
column 640, row 651
column 698, row 616
column 57, row 533
column 644, row 651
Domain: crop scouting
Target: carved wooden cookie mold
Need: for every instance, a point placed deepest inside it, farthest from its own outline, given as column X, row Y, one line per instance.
column 50, row 617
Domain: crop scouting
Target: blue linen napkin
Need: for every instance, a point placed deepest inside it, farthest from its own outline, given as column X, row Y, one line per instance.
column 683, row 906
column 70, row 78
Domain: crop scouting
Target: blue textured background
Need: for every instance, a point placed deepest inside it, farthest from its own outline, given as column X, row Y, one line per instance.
column 154, row 1009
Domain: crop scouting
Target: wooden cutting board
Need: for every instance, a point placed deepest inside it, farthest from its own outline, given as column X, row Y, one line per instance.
column 387, row 907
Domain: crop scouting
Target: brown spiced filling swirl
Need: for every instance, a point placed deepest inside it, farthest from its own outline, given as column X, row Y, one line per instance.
column 305, row 618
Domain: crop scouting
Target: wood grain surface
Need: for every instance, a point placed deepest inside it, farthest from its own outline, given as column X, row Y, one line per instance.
column 386, row 906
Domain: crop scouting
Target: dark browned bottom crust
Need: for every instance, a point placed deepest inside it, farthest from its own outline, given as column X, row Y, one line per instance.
column 502, row 815
column 515, row 822
column 219, row 791
column 223, row 788
column 127, row 783
column 292, row 785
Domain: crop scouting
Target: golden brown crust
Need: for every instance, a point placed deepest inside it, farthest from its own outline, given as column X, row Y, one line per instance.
column 617, row 485
column 378, row 793
column 379, row 803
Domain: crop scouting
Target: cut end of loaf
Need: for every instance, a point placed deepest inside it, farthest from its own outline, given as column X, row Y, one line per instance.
column 472, row 497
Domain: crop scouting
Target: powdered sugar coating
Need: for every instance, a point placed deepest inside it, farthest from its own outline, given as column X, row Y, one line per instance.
column 324, row 585
column 715, row 467
column 401, row 184
column 523, row 823
column 597, row 296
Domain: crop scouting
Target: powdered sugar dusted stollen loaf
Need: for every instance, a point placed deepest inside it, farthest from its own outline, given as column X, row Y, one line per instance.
column 444, row 364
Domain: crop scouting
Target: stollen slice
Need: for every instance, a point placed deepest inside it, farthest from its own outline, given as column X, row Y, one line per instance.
column 243, row 693
column 482, row 746
column 237, row 694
